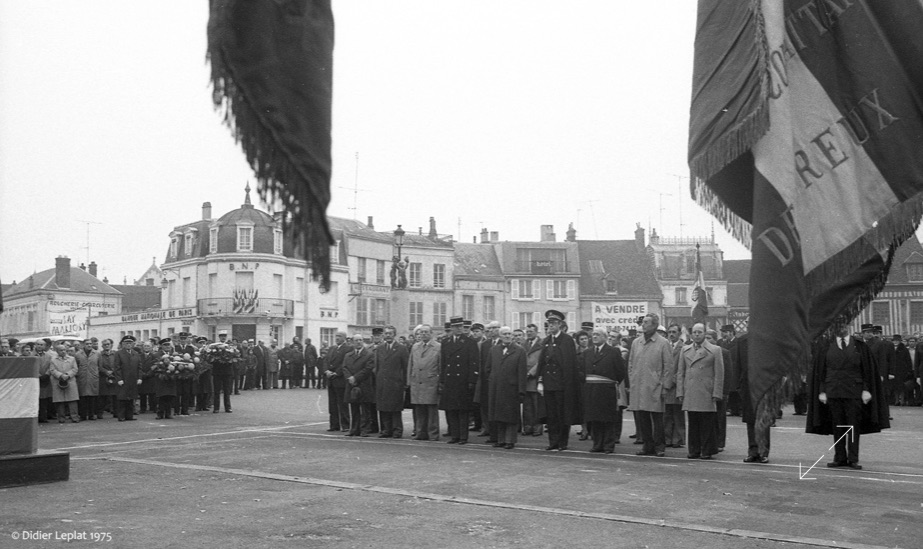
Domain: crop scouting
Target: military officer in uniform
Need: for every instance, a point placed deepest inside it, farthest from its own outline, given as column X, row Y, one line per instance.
column 126, row 368
column 457, row 380
column 559, row 376
column 184, row 389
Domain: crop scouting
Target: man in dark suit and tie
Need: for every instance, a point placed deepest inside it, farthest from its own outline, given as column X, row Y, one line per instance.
column 602, row 370
column 336, row 384
column 846, row 392
column 390, row 374
column 533, row 407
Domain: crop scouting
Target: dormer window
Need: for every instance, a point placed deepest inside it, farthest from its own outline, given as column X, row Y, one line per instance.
column 173, row 245
column 914, row 272
column 245, row 238
column 277, row 241
column 213, row 240
column 187, row 245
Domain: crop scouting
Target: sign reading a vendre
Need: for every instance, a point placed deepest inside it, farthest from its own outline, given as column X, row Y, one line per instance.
column 616, row 316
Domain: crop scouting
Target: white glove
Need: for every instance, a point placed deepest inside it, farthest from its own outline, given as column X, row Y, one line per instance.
column 121, row 383
column 139, row 382
column 866, row 397
column 822, row 398
column 351, row 380
column 890, row 376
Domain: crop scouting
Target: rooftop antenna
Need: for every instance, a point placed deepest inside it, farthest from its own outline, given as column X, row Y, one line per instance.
column 661, row 211
column 592, row 216
column 88, row 223
column 679, row 185
column 355, row 189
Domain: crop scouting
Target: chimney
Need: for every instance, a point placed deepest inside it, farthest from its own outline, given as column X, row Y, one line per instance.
column 62, row 272
column 474, row 240
column 420, row 230
column 83, row 267
column 494, row 236
column 639, row 237
column 93, row 268
column 484, row 238
column 432, row 227
column 370, row 224
column 571, row 233
column 655, row 238
column 206, row 211
column 548, row 233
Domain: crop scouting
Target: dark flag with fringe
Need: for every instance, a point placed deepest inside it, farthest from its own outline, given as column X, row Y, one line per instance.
column 272, row 69
column 806, row 141
column 699, row 293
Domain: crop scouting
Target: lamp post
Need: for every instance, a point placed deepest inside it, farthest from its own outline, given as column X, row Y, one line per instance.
column 398, row 266
column 399, row 239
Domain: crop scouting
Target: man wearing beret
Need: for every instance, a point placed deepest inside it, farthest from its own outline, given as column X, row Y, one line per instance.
column 457, row 380
column 559, row 376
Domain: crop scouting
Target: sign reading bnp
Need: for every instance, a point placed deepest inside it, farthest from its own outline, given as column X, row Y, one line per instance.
column 616, row 316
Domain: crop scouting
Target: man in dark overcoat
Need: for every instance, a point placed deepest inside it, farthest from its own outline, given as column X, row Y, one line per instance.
column 165, row 389
column 390, row 373
column 533, row 406
column 846, row 391
column 126, row 369
column 559, row 376
column 901, row 372
column 602, row 369
column 185, row 393
column 507, row 367
column 357, row 370
column 297, row 360
column 757, row 446
column 337, row 407
column 310, row 364
column 458, row 378
column 482, row 394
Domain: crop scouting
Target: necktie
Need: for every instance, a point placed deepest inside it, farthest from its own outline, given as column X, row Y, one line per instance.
column 842, row 343
column 599, row 348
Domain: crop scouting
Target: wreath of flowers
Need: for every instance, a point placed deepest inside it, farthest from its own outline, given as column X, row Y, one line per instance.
column 222, row 353
column 177, row 366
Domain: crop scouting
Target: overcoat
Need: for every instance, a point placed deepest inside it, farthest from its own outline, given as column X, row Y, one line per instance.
column 87, row 373
column 163, row 387
column 651, row 371
column 533, row 351
column 507, row 367
column 58, row 367
column 482, row 391
column 600, row 399
column 147, row 380
column 335, row 358
column 459, row 373
column 390, row 368
column 44, row 390
column 560, row 353
column 423, row 376
column 903, row 368
column 272, row 359
column 106, row 373
column 700, row 377
column 126, row 366
column 669, row 395
column 874, row 414
column 740, row 356
column 359, row 365
column 732, row 369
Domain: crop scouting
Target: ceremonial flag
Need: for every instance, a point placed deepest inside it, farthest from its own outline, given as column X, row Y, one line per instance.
column 806, row 141
column 699, row 294
column 271, row 71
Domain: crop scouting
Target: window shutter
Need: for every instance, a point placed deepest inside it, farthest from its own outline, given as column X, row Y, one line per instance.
column 571, row 289
column 515, row 288
column 536, row 289
column 537, row 318
column 515, row 323
column 572, row 321
column 549, row 289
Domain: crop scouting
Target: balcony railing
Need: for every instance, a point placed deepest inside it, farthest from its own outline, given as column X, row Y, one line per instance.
column 263, row 306
column 541, row 266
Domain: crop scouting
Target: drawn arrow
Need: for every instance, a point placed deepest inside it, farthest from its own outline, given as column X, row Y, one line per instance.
column 849, row 431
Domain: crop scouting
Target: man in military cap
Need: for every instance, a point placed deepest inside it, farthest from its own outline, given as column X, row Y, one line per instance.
column 457, row 380
column 223, row 375
column 126, row 368
column 559, row 376
column 466, row 327
column 204, row 384
column 184, row 388
column 587, row 327
column 165, row 389
column 492, row 338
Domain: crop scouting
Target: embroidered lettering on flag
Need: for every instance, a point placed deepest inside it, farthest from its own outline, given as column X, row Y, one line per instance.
column 699, row 293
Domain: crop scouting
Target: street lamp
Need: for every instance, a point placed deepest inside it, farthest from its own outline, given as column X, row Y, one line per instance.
column 399, row 239
column 398, row 266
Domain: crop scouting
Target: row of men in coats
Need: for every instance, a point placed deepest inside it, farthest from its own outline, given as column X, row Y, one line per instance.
column 900, row 365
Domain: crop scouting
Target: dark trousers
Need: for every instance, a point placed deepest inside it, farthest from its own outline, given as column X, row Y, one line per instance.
column 165, row 407
column 618, row 426
column 44, row 404
column 530, row 410
column 638, row 435
column 603, row 435
column 721, row 423
column 223, row 383
column 650, row 428
column 107, row 402
column 426, row 421
column 202, row 401
column 801, row 403
column 361, row 418
column 67, row 408
column 126, row 409
column 845, row 411
column 558, row 427
column 753, row 448
column 310, row 376
column 183, row 397
column 734, row 403
column 506, row 432
column 458, row 424
column 87, row 406
column 702, row 434
column 338, row 408
column 392, row 423
column 147, row 401
column 674, row 424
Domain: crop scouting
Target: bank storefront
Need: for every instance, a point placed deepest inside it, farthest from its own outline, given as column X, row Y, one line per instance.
column 148, row 324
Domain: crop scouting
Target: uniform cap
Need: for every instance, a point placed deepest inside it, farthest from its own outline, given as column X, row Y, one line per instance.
column 551, row 314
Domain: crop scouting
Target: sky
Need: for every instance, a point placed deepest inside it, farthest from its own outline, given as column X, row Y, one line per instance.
column 482, row 114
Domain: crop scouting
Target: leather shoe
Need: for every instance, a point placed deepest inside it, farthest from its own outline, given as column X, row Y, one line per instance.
column 751, row 459
column 562, row 448
column 460, row 442
column 706, row 457
column 854, row 465
column 552, row 447
column 694, row 456
column 584, row 437
column 509, row 446
column 452, row 441
column 763, row 459
column 837, row 464
column 595, row 450
column 638, row 441
column 498, row 445
column 660, row 454
column 329, row 430
column 643, row 453
column 383, row 435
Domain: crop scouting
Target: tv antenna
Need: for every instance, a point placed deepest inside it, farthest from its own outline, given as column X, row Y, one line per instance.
column 88, row 223
column 355, row 189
